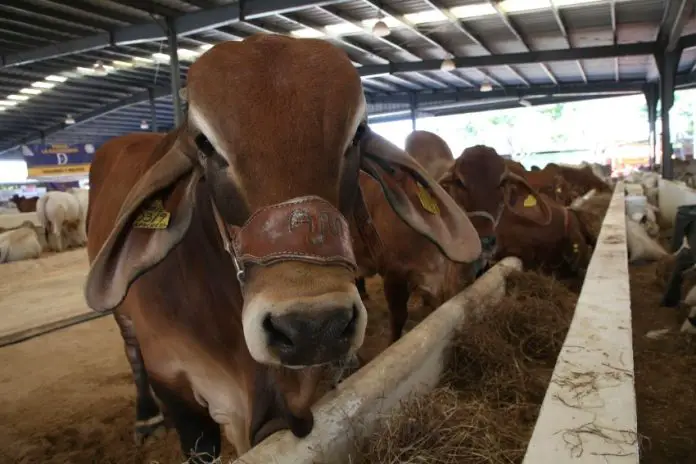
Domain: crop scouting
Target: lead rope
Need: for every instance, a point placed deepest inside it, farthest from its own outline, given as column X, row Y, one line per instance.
column 227, row 243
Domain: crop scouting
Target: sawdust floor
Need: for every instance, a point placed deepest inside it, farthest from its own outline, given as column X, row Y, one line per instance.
column 665, row 369
column 40, row 293
column 67, row 396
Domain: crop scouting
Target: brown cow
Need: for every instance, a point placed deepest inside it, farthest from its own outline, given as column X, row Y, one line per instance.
column 543, row 234
column 224, row 246
column 533, row 227
column 410, row 263
column 431, row 151
column 24, row 204
column 516, row 167
column 551, row 184
column 581, row 180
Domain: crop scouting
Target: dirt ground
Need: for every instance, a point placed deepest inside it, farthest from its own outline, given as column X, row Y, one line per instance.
column 665, row 369
column 67, row 397
column 38, row 293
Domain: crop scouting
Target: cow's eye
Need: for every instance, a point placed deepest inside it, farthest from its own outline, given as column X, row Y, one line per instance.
column 359, row 133
column 204, row 145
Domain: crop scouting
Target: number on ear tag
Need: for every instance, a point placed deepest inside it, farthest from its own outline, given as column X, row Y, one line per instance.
column 153, row 217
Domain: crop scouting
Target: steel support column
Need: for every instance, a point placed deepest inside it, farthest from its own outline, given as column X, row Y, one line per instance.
column 414, row 108
column 652, row 95
column 667, row 64
column 175, row 71
column 153, row 110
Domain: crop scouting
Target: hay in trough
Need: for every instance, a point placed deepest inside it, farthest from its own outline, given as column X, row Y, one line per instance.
column 664, row 368
column 498, row 370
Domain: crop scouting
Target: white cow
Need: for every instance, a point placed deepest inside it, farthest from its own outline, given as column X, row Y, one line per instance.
column 59, row 214
column 82, row 196
column 20, row 244
column 640, row 245
column 648, row 220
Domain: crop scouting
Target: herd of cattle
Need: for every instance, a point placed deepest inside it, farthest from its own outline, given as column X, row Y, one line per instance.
column 233, row 248
column 406, row 226
column 61, row 218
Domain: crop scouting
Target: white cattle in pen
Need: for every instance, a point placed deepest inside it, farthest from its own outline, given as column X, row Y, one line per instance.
column 578, row 202
column 82, row 196
column 20, row 244
column 59, row 214
column 641, row 247
column 647, row 220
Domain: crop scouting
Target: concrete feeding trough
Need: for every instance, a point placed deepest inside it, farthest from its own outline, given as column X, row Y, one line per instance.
column 589, row 412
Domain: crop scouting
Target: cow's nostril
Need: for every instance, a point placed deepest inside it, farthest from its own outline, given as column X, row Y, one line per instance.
column 352, row 325
column 276, row 336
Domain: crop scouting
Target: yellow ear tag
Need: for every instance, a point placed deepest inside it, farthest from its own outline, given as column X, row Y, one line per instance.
column 427, row 201
column 153, row 217
column 530, row 201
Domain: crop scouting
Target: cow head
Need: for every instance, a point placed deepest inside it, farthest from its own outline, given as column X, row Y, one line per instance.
column 276, row 128
column 560, row 190
column 476, row 181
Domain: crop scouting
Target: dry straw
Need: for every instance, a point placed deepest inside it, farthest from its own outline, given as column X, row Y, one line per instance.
column 485, row 408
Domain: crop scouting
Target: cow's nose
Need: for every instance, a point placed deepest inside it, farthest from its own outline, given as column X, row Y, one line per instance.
column 305, row 338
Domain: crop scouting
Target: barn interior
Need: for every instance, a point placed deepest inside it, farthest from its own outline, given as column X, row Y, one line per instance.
column 490, row 374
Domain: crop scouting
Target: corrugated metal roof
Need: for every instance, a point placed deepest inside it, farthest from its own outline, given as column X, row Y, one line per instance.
column 420, row 30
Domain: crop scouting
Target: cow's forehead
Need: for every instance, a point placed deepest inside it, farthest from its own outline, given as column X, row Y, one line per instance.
column 275, row 78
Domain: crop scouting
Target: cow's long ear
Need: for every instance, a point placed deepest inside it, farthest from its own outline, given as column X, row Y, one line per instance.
column 153, row 219
column 418, row 199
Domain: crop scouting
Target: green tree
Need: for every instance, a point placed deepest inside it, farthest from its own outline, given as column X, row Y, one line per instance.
column 555, row 112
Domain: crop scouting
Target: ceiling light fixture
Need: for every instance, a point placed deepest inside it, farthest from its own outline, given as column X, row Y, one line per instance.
column 30, row 91
column 99, row 69
column 17, row 97
column 122, row 64
column 8, row 103
column 380, row 29
column 486, row 87
column 69, row 119
column 43, row 85
column 56, row 78
column 144, row 125
column 161, row 57
column 448, row 65
column 185, row 53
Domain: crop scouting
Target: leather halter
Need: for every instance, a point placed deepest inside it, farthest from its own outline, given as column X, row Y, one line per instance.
column 307, row 229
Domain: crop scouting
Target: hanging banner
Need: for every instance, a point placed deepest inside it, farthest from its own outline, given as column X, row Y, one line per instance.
column 58, row 160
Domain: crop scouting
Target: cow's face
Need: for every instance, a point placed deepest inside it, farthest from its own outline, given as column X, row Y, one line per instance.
column 289, row 134
column 476, row 182
column 563, row 192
